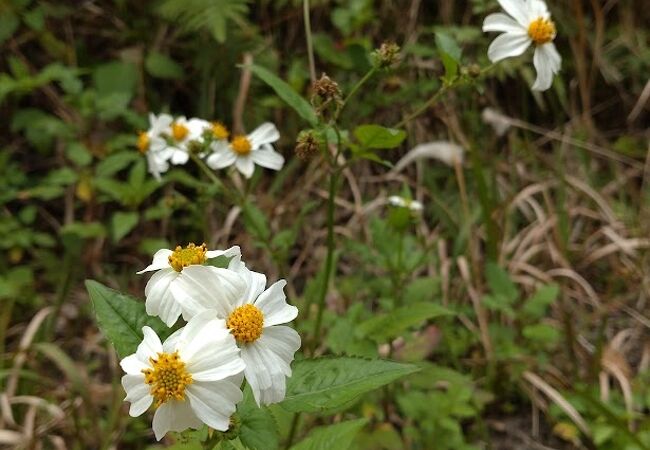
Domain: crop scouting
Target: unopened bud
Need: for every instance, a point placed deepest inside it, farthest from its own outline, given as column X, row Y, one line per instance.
column 326, row 89
column 474, row 70
column 307, row 145
column 387, row 55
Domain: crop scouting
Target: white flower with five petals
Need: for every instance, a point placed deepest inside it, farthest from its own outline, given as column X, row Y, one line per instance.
column 153, row 145
column 255, row 318
column 194, row 377
column 246, row 151
column 162, row 292
column 528, row 22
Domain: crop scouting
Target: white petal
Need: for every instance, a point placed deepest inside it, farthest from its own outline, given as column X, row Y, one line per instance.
column 255, row 281
column 208, row 348
column 133, row 365
column 138, row 394
column 221, row 157
column 507, row 45
column 206, row 287
column 517, row 9
column 245, row 165
column 229, row 252
column 174, row 415
column 273, row 305
column 159, row 293
column 264, row 373
column 501, row 22
column 268, row 158
column 150, row 345
column 264, row 134
column 180, row 156
column 160, row 261
column 283, row 342
column 214, row 402
column 546, row 60
column 537, row 9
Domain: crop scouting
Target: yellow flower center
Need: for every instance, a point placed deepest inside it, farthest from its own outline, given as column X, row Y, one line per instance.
column 219, row 130
column 143, row 142
column 246, row 323
column 241, row 145
column 541, row 31
column 168, row 378
column 190, row 255
column 179, row 131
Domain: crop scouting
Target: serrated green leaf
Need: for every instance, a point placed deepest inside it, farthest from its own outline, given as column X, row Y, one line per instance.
column 121, row 318
column 122, row 223
column 162, row 66
column 383, row 327
column 378, row 137
column 258, row 430
column 326, row 383
column 286, row 93
column 338, row 436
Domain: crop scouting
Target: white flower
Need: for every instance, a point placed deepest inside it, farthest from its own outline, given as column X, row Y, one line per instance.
column 246, row 151
column 194, row 376
column 401, row 202
column 152, row 144
column 181, row 133
column 162, row 291
column 529, row 22
column 255, row 319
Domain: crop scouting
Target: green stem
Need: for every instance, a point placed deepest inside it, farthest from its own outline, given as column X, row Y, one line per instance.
column 204, row 167
column 487, row 206
column 310, row 45
column 329, row 258
column 399, row 270
column 292, row 431
column 434, row 98
column 354, row 90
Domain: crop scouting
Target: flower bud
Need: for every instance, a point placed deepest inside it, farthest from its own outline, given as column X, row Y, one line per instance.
column 387, row 56
column 307, row 145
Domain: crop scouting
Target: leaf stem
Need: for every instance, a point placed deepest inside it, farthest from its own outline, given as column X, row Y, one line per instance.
column 354, row 90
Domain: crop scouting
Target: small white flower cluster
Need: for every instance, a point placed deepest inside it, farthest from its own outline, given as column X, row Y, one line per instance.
column 171, row 140
column 402, row 202
column 527, row 22
column 234, row 331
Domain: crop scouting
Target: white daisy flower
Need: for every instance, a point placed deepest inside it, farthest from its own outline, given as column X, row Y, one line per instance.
column 152, row 144
column 246, row 151
column 401, row 202
column 528, row 22
column 254, row 319
column 194, row 376
column 181, row 133
column 162, row 290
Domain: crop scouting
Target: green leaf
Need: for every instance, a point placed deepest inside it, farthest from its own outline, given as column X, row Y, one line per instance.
column 121, row 318
column 258, row 430
column 338, row 436
column 376, row 136
column 536, row 306
column 327, row 383
column 8, row 25
column 78, row 154
column 162, row 66
column 115, row 78
column 542, row 333
column 256, row 222
column 450, row 54
column 286, row 93
column 383, row 327
column 122, row 223
column 500, row 283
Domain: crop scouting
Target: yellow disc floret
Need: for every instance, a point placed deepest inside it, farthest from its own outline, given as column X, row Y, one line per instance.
column 219, row 131
column 167, row 378
column 541, row 31
column 143, row 142
column 246, row 323
column 241, row 145
column 190, row 255
column 179, row 131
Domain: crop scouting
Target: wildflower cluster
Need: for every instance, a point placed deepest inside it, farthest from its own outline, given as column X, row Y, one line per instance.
column 234, row 331
column 172, row 140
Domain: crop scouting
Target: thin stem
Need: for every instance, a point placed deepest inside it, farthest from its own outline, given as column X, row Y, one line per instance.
column 329, row 258
column 310, row 46
column 425, row 106
column 354, row 90
column 292, row 431
column 204, row 167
